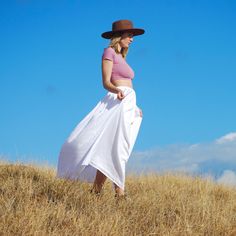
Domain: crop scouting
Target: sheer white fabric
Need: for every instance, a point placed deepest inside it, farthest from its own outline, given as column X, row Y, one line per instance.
column 103, row 140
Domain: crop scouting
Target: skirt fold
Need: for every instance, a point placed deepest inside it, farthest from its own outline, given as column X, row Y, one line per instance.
column 103, row 140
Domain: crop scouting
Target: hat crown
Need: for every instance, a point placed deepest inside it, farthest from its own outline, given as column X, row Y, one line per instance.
column 122, row 25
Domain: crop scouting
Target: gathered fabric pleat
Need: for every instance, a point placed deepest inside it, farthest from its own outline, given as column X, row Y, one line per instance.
column 102, row 141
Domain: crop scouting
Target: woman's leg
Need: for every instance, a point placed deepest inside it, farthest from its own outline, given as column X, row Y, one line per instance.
column 119, row 191
column 99, row 181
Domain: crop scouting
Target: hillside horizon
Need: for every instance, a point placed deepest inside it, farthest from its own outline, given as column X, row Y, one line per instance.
column 34, row 202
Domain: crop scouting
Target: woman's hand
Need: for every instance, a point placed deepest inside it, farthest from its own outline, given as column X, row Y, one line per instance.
column 120, row 95
column 140, row 112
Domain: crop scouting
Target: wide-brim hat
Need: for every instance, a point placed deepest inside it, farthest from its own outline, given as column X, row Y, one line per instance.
column 122, row 26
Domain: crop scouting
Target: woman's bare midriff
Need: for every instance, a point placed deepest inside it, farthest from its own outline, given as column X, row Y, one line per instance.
column 122, row 82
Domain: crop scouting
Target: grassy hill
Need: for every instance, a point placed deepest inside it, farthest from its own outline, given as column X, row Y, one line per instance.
column 34, row 202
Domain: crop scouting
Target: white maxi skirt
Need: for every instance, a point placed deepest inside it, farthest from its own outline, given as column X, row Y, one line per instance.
column 103, row 140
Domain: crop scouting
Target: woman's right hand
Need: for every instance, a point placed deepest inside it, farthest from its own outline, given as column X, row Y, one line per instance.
column 120, row 95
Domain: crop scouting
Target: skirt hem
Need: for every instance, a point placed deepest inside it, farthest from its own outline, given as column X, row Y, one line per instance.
column 106, row 174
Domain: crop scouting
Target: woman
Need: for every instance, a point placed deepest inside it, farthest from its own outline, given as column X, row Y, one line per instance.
column 101, row 143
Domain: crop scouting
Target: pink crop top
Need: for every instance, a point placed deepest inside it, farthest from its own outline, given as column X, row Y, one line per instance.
column 120, row 69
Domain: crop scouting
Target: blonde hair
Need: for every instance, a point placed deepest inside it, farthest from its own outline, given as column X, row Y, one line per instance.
column 114, row 44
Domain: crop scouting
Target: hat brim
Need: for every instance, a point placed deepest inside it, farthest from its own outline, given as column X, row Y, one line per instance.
column 135, row 32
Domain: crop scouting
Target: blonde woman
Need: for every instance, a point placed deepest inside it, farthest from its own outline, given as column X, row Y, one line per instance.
column 100, row 145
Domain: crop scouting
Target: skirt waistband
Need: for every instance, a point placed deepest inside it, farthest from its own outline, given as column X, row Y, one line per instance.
column 126, row 87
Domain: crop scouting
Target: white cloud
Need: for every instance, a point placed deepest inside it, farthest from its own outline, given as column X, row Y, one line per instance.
column 227, row 138
column 227, row 178
column 213, row 157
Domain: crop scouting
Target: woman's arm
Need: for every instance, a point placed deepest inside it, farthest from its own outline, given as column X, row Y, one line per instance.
column 106, row 76
column 106, row 79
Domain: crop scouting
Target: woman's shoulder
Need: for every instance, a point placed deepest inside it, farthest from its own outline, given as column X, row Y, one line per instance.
column 109, row 49
column 109, row 52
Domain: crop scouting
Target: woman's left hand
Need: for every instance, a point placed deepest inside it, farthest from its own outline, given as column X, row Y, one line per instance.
column 140, row 112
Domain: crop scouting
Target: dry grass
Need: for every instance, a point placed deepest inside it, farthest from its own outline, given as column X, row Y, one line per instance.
column 34, row 202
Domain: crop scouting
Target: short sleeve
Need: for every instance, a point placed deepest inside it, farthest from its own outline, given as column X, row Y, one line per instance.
column 108, row 54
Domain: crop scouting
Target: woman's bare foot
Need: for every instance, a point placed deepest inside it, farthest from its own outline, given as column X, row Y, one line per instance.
column 119, row 191
column 98, row 183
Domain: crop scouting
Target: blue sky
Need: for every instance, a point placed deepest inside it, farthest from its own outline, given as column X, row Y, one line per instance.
column 50, row 73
